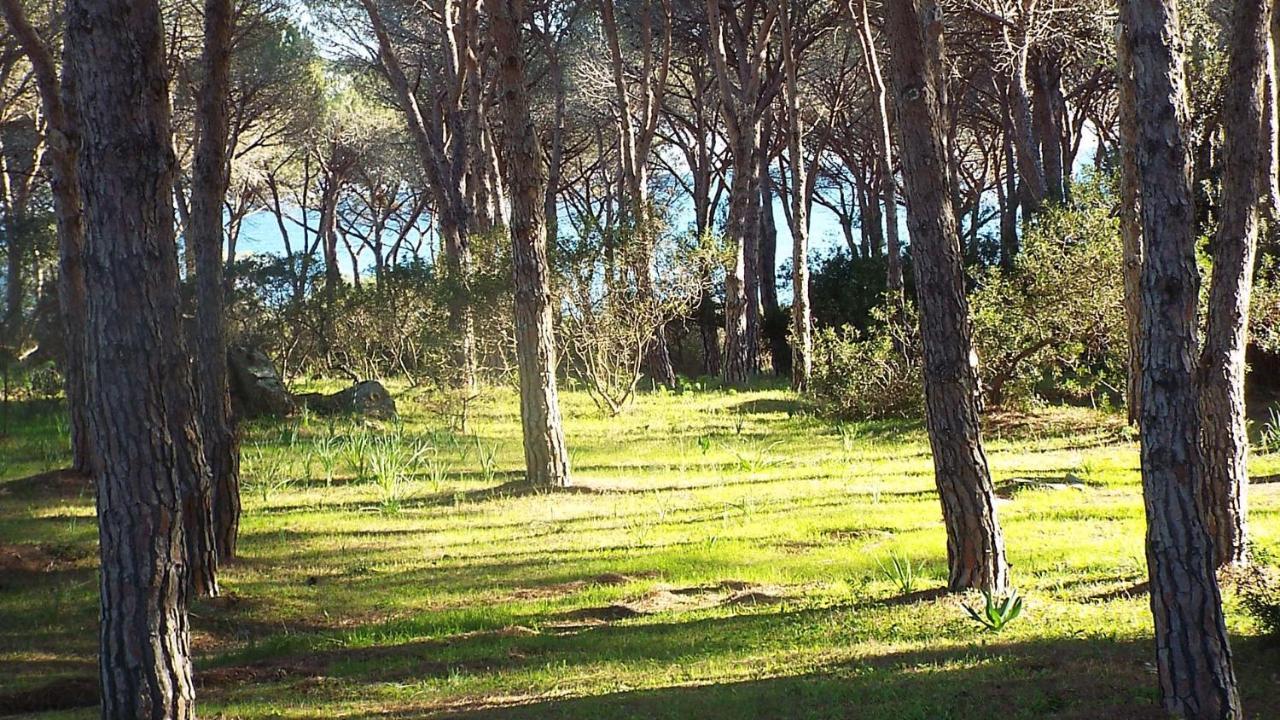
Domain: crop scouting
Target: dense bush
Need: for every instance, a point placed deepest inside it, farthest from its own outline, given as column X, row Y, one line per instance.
column 1050, row 327
column 872, row 374
column 395, row 326
column 1053, row 325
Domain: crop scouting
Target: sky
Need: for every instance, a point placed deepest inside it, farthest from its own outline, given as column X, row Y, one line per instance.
column 260, row 234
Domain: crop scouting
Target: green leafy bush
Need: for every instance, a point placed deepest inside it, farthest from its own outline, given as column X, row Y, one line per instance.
column 876, row 374
column 1053, row 325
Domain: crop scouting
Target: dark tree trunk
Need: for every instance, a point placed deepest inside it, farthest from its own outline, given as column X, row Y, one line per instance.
column 64, row 179
column 1192, row 654
column 1048, row 98
column 546, row 459
column 768, row 229
column 1225, row 475
column 884, row 150
column 1030, row 163
column 208, row 193
column 1130, row 222
column 741, row 304
column 1007, row 194
column 141, row 410
column 975, row 545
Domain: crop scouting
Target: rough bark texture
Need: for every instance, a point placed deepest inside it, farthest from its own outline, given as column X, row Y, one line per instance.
column 1192, row 654
column 1130, row 221
column 545, row 455
column 742, row 106
column 975, row 545
column 1224, row 476
column 1047, row 87
column 208, row 193
column 1030, row 163
column 141, row 402
column 63, row 132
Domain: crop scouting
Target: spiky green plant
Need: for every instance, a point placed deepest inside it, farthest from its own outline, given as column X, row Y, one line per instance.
column 999, row 610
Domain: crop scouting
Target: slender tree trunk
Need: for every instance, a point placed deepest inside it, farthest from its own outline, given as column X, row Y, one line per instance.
column 64, row 137
column 208, row 194
column 142, row 410
column 1130, row 222
column 768, row 227
column 546, row 459
column 739, row 305
column 801, row 315
column 1224, row 476
column 1192, row 654
column 1047, row 88
column 1030, row 164
column 884, row 151
column 975, row 544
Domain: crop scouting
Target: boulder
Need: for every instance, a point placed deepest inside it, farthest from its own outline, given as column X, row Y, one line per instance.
column 367, row 397
column 255, row 385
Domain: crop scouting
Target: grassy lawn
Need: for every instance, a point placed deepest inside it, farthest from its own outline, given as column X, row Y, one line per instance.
column 723, row 557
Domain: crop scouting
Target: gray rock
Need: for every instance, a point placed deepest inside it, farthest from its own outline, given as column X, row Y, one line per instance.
column 367, row 397
column 255, row 385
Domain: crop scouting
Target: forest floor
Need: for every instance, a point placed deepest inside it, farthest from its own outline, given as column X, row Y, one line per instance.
column 724, row 555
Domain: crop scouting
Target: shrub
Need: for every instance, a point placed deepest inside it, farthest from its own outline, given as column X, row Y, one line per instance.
column 1053, row 325
column 876, row 374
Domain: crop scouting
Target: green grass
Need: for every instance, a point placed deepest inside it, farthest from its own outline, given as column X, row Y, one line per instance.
column 726, row 555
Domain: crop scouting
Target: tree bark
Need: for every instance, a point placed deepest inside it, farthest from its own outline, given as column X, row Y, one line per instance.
column 884, row 150
column 546, row 459
column 801, row 315
column 454, row 216
column 1047, row 88
column 975, row 544
column 1130, row 221
column 1192, row 654
column 64, row 134
column 141, row 409
column 205, row 234
column 1030, row 163
column 1224, row 476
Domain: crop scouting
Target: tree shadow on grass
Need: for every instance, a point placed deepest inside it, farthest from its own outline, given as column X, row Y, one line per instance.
column 1063, row 680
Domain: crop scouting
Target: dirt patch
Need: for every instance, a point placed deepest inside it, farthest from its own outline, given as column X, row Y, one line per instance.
column 34, row 559
column 58, row 483
column 1011, row 488
column 1127, row 592
column 675, row 599
column 65, row 694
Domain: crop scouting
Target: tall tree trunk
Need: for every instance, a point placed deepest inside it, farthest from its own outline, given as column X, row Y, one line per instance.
column 740, row 315
column 1030, row 164
column 1224, row 476
column 1007, row 190
column 64, row 137
column 142, row 410
column 546, row 459
column 1130, row 222
column 1192, row 654
column 801, row 315
column 1047, row 88
column 768, row 227
column 884, row 151
column 208, row 194
column 453, row 214
column 975, row 544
